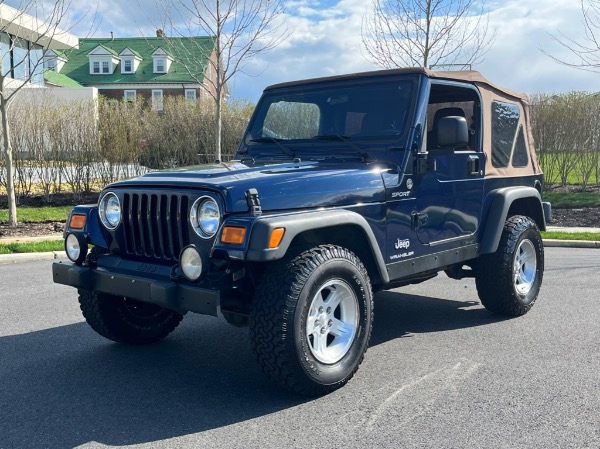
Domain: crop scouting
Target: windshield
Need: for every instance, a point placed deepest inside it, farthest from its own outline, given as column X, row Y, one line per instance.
column 358, row 112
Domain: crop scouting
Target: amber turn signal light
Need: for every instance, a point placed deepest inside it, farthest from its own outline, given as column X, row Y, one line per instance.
column 233, row 235
column 77, row 221
column 276, row 236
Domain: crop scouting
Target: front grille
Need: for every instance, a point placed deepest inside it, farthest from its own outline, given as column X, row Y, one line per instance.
column 155, row 225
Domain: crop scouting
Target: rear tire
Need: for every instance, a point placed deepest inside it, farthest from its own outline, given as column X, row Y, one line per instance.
column 311, row 320
column 509, row 280
column 127, row 320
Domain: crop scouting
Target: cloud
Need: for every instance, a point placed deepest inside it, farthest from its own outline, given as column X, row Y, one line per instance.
column 326, row 39
column 523, row 27
column 328, row 42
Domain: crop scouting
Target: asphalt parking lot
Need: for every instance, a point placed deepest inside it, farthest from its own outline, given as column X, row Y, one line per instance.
column 441, row 372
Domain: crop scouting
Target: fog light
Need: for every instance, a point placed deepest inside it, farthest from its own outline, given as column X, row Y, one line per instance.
column 76, row 248
column 192, row 263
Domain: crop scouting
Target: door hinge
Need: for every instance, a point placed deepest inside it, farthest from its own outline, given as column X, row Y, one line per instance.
column 425, row 164
column 417, row 220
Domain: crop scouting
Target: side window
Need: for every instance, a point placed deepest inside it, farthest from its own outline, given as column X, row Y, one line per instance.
column 520, row 156
column 445, row 101
column 505, row 119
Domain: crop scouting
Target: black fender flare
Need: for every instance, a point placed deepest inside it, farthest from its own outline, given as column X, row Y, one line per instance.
column 295, row 224
column 501, row 201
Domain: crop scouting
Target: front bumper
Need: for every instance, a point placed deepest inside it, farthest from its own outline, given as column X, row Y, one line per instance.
column 145, row 282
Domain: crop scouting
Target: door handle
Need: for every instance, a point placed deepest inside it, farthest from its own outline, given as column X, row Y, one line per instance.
column 473, row 165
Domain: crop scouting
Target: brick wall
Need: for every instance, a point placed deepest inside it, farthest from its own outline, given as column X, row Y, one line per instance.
column 146, row 94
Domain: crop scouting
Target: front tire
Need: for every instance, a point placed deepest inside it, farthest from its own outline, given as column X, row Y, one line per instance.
column 127, row 320
column 509, row 280
column 311, row 320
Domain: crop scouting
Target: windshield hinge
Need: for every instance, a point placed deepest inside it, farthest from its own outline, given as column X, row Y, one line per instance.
column 253, row 202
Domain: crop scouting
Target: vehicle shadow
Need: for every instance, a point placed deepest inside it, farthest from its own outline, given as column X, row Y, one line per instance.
column 66, row 386
column 399, row 315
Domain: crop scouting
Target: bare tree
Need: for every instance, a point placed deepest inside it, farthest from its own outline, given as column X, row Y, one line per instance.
column 242, row 29
column 23, row 39
column 586, row 52
column 426, row 33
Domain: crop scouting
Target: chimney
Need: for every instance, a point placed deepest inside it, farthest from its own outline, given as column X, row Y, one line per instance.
column 161, row 33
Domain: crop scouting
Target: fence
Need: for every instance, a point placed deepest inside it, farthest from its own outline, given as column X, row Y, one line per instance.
column 566, row 129
column 80, row 146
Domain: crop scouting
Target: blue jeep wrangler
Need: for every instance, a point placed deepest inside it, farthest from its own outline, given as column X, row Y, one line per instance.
column 341, row 187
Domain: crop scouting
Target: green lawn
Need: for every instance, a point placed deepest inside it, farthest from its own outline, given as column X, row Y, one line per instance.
column 572, row 199
column 38, row 214
column 572, row 179
column 33, row 247
column 556, row 235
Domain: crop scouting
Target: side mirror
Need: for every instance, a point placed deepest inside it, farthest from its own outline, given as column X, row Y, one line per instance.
column 452, row 132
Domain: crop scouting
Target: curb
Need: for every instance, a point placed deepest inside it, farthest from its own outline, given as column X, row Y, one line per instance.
column 10, row 259
column 549, row 243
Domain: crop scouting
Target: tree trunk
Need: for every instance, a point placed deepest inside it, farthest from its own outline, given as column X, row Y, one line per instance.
column 8, row 159
column 218, row 124
column 218, row 83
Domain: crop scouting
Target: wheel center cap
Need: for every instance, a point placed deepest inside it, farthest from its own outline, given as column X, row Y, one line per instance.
column 323, row 318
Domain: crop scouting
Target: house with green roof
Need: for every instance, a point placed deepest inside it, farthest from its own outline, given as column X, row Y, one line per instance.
column 147, row 69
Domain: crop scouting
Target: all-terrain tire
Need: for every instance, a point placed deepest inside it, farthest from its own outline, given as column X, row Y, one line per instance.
column 509, row 280
column 311, row 319
column 127, row 320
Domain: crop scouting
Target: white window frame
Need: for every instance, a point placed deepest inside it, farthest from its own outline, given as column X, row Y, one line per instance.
column 51, row 64
column 130, row 61
column 164, row 65
column 190, row 94
column 157, row 99
column 105, row 67
column 130, row 95
column 96, row 68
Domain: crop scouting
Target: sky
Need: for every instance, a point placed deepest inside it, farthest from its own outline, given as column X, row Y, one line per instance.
column 325, row 39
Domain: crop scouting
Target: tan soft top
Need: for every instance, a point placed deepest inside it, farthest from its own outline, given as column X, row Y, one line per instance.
column 470, row 76
column 489, row 92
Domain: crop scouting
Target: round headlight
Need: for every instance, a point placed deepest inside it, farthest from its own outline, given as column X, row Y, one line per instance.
column 205, row 217
column 110, row 210
column 76, row 248
column 191, row 262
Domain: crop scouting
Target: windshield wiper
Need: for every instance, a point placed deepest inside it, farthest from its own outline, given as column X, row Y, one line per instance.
column 276, row 141
column 363, row 154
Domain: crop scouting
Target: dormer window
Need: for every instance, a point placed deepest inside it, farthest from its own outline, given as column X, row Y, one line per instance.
column 161, row 61
column 54, row 60
column 103, row 60
column 130, row 60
